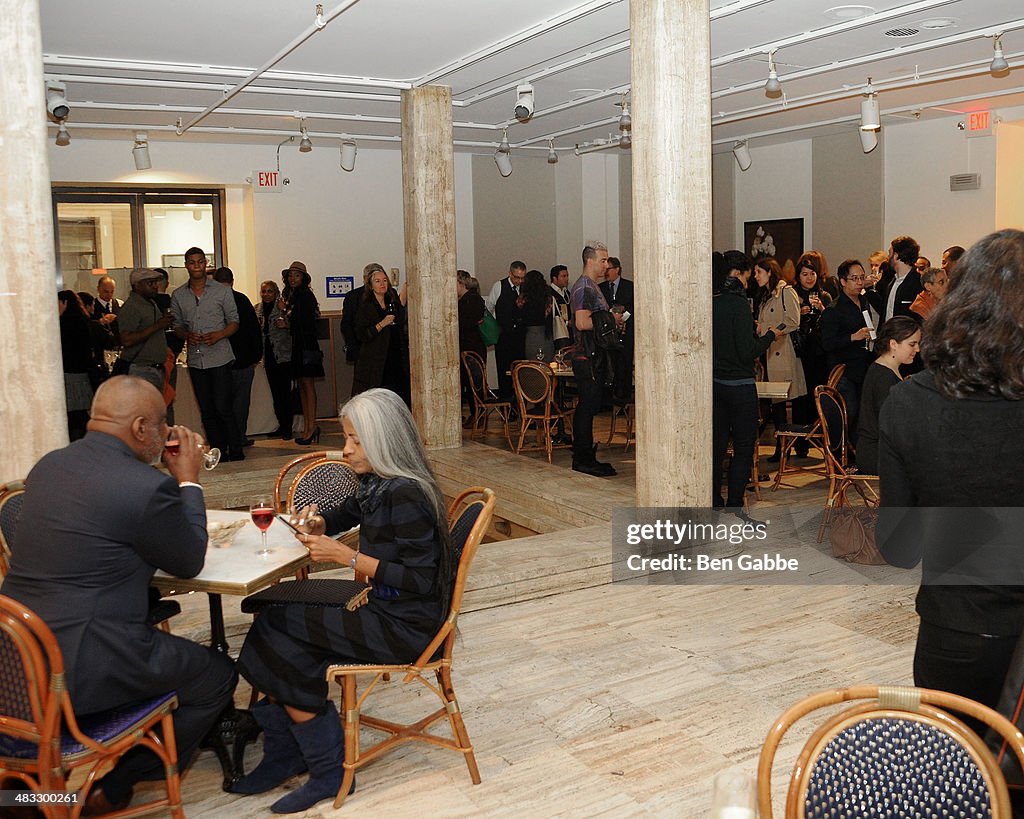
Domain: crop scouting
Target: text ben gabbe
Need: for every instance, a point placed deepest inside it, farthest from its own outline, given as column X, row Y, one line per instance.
column 665, row 531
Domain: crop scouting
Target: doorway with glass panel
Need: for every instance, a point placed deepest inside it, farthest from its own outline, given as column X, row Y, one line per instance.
column 107, row 232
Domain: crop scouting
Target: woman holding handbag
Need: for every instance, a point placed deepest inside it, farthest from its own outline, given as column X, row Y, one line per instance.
column 777, row 307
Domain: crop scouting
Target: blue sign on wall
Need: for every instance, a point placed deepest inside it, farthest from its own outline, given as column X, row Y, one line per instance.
column 338, row 286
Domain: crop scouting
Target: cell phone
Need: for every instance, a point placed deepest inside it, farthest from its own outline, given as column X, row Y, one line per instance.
column 780, row 326
column 286, row 522
column 625, row 315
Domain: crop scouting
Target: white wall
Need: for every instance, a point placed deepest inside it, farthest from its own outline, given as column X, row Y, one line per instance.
column 334, row 221
column 1010, row 174
column 777, row 185
column 919, row 159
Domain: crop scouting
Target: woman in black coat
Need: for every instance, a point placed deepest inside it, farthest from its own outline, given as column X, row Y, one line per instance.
column 405, row 551
column 307, row 358
column 471, row 314
column 380, row 326
column 76, row 343
column 951, row 436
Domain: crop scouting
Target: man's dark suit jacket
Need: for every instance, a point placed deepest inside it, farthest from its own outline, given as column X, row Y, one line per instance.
column 247, row 340
column 905, row 295
column 623, row 293
column 95, row 525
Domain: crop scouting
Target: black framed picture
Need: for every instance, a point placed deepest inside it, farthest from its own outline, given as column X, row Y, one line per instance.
column 781, row 238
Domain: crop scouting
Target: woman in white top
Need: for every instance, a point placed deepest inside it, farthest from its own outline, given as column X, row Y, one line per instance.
column 777, row 307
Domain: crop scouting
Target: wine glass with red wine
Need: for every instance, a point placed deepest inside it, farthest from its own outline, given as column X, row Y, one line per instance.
column 262, row 511
column 211, row 455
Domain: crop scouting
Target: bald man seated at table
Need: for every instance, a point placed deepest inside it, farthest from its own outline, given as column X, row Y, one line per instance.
column 97, row 521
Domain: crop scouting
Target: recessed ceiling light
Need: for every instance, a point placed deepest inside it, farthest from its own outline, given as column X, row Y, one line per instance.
column 899, row 33
column 939, row 22
column 848, row 12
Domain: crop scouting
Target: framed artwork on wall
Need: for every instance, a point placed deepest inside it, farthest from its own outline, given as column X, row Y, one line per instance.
column 781, row 238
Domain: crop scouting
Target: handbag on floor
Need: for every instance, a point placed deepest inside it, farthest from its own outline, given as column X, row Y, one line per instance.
column 852, row 535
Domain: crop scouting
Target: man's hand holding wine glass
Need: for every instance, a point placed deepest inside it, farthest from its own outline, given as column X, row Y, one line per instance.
column 183, row 454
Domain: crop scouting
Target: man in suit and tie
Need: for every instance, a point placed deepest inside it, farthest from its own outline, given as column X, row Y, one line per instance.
column 618, row 292
column 97, row 521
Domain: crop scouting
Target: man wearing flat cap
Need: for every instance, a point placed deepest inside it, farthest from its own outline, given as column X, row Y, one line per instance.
column 142, row 324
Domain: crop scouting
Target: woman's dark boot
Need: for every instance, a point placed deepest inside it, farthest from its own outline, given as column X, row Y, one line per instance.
column 282, row 757
column 323, row 747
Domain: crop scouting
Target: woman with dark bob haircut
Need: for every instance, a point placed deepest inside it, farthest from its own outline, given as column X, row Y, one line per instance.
column 951, row 436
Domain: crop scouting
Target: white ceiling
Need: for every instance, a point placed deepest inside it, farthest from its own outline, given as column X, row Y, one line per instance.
column 141, row 66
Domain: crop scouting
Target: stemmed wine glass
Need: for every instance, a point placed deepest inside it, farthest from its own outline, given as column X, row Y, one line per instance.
column 262, row 511
column 211, row 455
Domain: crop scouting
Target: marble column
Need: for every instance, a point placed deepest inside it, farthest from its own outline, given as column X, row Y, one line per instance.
column 32, row 410
column 671, row 105
column 428, row 183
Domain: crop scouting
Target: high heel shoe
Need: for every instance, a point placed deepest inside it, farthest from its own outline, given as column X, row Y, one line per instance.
column 314, row 437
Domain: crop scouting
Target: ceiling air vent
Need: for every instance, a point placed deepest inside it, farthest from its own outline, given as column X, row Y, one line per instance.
column 965, row 182
column 902, row 32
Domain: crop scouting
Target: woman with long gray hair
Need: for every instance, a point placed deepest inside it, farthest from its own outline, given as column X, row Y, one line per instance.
column 404, row 549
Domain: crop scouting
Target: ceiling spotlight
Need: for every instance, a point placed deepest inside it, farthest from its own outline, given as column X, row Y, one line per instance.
column 305, row 146
column 140, row 152
column 625, row 139
column 869, row 116
column 348, row 155
column 742, row 154
column 56, row 102
column 503, row 156
column 625, row 120
column 63, row 137
column 552, row 156
column 868, row 140
column 772, row 88
column 998, row 66
column 524, row 101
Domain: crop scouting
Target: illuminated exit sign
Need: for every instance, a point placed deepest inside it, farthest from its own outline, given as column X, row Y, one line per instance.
column 979, row 123
column 268, row 181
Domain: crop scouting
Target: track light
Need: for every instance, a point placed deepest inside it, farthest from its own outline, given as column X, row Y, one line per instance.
column 348, row 155
column 772, row 88
column 625, row 139
column 56, row 102
column 625, row 120
column 869, row 117
column 552, row 156
column 868, row 140
column 742, row 154
column 140, row 152
column 63, row 137
column 998, row 66
column 524, row 101
column 305, row 146
column 503, row 156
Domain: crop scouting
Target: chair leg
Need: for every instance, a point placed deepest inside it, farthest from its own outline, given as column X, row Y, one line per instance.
column 784, row 445
column 172, row 771
column 350, row 722
column 611, row 427
column 459, row 732
column 629, row 429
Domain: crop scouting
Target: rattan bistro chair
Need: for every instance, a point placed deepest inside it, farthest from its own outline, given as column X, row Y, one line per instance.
column 41, row 739
column 468, row 516
column 892, row 752
column 287, row 477
column 11, row 496
column 789, row 434
column 485, row 401
column 841, row 477
column 534, row 386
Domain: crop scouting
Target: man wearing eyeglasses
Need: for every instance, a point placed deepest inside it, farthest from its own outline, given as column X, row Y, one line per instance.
column 846, row 337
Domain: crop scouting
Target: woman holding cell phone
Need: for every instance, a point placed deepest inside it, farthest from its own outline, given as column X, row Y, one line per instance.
column 404, row 550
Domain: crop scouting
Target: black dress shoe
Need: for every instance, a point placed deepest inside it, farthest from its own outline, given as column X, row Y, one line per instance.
column 235, row 455
column 595, row 468
column 97, row 803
